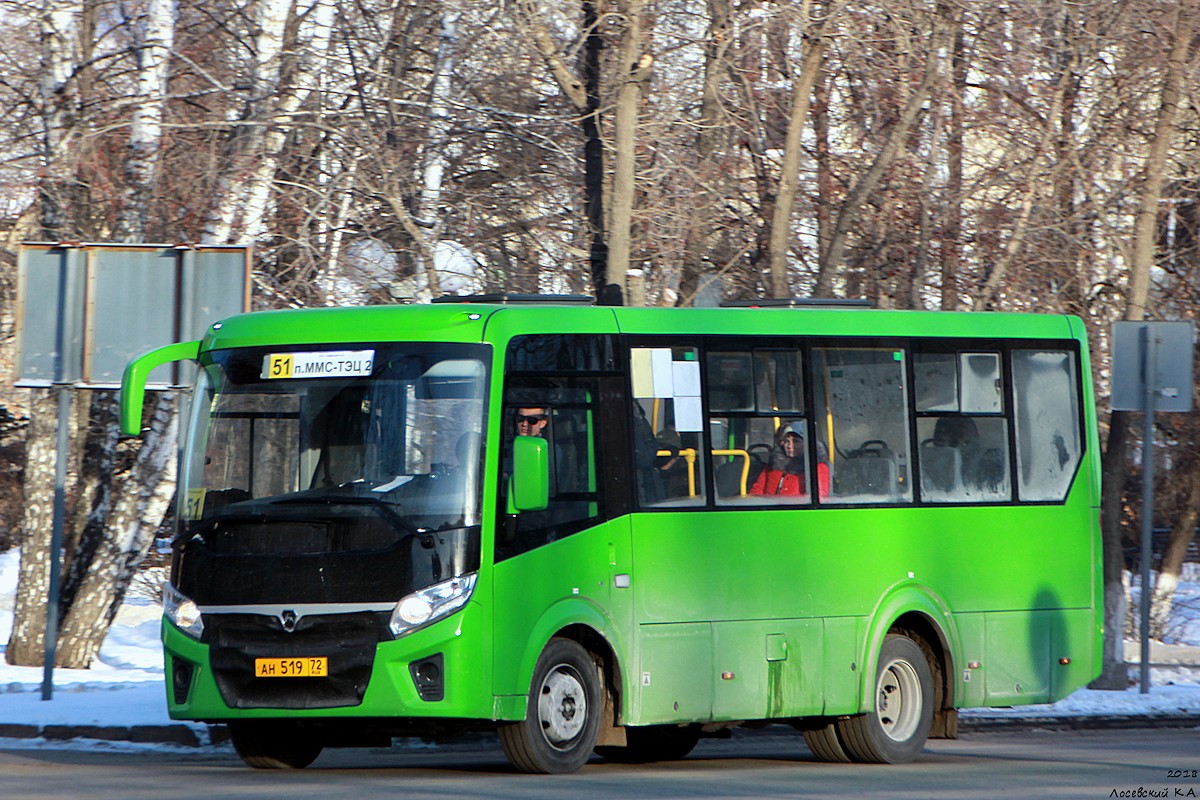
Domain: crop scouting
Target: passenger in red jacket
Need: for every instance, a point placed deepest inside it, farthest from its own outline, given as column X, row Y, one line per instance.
column 784, row 476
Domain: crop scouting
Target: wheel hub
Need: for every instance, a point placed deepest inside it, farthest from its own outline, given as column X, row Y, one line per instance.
column 562, row 706
column 898, row 700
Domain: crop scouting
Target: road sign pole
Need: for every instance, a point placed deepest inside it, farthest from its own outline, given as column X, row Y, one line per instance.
column 50, row 638
column 1150, row 363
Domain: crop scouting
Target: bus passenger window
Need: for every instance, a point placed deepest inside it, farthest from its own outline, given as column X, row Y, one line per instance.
column 963, row 454
column 861, row 418
column 763, row 448
column 964, row 459
column 779, row 385
column 1046, row 416
column 667, row 426
column 935, row 378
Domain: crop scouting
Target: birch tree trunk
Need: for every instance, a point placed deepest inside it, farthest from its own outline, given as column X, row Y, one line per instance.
column 426, row 228
column 62, row 52
column 154, row 37
column 245, row 189
column 633, row 69
column 61, row 24
column 1116, row 454
column 135, row 517
column 93, row 499
column 26, row 643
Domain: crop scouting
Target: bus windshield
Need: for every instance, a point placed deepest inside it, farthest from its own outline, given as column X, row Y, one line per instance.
column 381, row 442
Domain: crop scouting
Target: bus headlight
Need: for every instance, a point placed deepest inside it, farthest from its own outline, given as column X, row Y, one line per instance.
column 182, row 612
column 433, row 603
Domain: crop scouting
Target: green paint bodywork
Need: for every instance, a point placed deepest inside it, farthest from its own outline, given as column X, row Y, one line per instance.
column 730, row 614
column 133, row 382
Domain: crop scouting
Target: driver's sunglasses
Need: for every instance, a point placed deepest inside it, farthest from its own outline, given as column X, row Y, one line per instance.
column 530, row 419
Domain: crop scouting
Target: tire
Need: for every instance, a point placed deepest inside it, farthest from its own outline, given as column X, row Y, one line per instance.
column 824, row 744
column 274, row 744
column 562, row 717
column 645, row 745
column 896, row 729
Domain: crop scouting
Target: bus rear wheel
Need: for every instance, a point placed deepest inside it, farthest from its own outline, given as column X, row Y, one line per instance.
column 896, row 730
column 274, row 744
column 651, row 743
column 562, row 717
column 824, row 744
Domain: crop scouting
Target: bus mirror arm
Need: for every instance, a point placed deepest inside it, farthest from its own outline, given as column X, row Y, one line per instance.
column 133, row 382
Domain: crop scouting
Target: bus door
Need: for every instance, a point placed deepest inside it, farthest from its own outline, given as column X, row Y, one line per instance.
column 568, row 563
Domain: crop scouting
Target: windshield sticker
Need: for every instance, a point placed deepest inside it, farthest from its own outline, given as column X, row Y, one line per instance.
column 329, row 364
column 193, row 507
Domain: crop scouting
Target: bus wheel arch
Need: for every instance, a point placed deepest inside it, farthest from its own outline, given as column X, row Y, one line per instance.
column 571, row 705
column 609, row 667
column 933, row 642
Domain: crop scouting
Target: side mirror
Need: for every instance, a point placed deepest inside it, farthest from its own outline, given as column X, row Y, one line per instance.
column 133, row 383
column 529, row 486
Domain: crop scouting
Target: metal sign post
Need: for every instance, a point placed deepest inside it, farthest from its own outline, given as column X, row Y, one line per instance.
column 96, row 306
column 1149, row 348
column 1152, row 371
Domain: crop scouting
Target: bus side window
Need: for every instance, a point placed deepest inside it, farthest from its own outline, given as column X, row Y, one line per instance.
column 963, row 436
column 1046, row 414
column 861, row 418
column 760, row 436
column 667, row 426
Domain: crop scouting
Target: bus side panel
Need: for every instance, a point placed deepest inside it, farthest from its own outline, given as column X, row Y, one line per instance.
column 1075, row 624
column 675, row 674
column 1017, row 669
column 767, row 669
column 970, row 685
column 842, row 666
column 567, row 582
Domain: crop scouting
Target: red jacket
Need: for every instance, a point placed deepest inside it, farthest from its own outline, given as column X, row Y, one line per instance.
column 789, row 484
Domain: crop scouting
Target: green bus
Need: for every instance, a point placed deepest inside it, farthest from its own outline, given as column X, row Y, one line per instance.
column 618, row 530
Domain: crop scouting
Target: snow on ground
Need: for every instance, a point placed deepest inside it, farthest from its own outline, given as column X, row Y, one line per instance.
column 125, row 685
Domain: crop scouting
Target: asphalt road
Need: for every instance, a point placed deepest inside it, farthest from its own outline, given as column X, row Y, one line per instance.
column 1027, row 764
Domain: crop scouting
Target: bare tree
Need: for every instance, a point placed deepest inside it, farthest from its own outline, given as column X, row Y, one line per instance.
column 1116, row 452
column 634, row 63
column 851, row 206
column 802, row 89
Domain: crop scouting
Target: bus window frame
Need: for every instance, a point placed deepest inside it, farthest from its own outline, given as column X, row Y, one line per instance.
column 910, row 346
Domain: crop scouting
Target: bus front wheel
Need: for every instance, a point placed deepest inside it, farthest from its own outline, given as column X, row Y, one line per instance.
column 274, row 744
column 896, row 730
column 562, row 718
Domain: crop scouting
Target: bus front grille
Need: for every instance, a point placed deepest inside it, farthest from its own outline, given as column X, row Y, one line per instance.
column 347, row 640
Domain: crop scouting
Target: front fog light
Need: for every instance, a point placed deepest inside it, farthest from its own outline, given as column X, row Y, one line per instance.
column 182, row 612
column 431, row 604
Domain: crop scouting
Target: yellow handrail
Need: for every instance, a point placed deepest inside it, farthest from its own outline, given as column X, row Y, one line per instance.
column 745, row 456
column 689, row 454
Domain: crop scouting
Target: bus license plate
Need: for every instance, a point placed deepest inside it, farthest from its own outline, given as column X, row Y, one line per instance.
column 309, row 667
